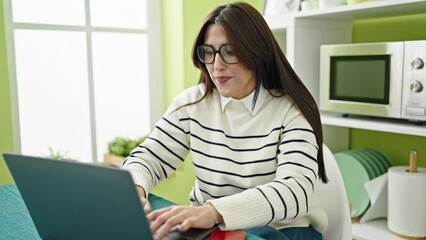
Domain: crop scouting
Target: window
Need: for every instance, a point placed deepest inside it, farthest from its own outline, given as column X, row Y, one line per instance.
column 82, row 73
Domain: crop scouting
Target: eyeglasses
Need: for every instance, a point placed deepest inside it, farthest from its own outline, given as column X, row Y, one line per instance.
column 207, row 54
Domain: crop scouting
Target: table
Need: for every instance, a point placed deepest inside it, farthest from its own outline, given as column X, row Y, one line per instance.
column 16, row 222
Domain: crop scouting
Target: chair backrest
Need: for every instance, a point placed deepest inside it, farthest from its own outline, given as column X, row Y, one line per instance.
column 333, row 199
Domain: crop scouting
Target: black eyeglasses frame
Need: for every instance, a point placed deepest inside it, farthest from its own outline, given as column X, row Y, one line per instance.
column 201, row 48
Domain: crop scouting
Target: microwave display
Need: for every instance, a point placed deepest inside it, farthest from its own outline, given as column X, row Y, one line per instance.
column 360, row 78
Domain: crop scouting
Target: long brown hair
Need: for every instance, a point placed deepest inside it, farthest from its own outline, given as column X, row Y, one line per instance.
column 256, row 48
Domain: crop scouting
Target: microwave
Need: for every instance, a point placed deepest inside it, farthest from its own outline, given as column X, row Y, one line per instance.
column 383, row 79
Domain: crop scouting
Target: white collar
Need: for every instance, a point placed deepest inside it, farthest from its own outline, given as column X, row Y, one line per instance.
column 247, row 101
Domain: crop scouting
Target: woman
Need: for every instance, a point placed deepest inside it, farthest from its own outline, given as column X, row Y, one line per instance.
column 254, row 131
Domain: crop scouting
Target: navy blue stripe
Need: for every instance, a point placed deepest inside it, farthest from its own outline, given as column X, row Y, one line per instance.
column 300, row 152
column 150, row 173
column 168, row 149
column 282, row 200
column 234, row 174
column 234, row 149
column 294, row 195
column 299, row 141
column 270, row 205
column 294, row 140
column 170, row 136
column 195, row 195
column 229, row 136
column 174, row 125
column 160, row 159
column 304, row 191
column 220, row 185
column 233, row 161
column 299, row 165
column 310, row 181
column 298, row 129
column 211, row 196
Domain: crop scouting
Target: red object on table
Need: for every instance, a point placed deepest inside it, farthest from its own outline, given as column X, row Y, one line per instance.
column 227, row 235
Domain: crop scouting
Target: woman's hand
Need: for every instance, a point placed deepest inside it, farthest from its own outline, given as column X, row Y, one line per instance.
column 142, row 196
column 182, row 217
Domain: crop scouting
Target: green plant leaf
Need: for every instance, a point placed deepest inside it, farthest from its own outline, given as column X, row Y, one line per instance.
column 123, row 146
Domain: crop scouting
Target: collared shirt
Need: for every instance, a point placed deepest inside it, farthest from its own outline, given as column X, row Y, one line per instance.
column 247, row 101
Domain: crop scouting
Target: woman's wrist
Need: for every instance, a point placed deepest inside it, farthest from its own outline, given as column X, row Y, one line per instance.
column 217, row 218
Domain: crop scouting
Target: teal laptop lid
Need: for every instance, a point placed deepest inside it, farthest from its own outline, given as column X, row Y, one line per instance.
column 70, row 200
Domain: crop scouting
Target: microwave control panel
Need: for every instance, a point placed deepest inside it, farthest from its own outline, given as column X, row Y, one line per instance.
column 414, row 81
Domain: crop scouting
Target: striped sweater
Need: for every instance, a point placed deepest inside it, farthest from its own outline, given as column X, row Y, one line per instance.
column 257, row 166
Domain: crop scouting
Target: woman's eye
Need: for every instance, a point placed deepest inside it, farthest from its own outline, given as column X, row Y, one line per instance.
column 228, row 51
column 209, row 52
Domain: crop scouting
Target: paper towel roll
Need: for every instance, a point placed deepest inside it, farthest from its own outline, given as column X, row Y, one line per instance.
column 407, row 201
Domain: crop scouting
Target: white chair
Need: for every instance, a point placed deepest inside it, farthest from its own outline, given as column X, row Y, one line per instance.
column 333, row 199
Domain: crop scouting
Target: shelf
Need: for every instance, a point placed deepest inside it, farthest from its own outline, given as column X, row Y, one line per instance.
column 304, row 32
column 372, row 123
column 280, row 22
column 373, row 230
column 365, row 10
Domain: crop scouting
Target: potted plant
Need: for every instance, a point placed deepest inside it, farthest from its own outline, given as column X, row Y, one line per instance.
column 120, row 148
column 59, row 155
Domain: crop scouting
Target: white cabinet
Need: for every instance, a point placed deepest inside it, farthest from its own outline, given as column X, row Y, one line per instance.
column 302, row 33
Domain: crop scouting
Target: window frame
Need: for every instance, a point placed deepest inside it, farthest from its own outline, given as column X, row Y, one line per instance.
column 155, row 59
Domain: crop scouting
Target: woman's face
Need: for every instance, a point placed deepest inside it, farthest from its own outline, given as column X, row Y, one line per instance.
column 231, row 80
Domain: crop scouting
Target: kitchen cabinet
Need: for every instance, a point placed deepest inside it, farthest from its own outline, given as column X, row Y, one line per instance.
column 300, row 35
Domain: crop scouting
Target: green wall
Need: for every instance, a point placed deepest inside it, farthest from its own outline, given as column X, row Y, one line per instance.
column 6, row 135
column 396, row 146
column 172, row 22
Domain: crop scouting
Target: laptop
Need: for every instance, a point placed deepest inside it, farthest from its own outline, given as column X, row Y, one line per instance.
column 71, row 200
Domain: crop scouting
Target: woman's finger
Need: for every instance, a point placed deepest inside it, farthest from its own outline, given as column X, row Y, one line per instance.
column 161, row 230
column 181, row 217
column 146, row 206
column 160, row 217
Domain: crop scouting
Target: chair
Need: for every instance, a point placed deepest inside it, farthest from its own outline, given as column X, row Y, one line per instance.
column 333, row 199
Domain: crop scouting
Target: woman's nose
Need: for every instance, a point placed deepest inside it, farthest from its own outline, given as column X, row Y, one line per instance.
column 219, row 64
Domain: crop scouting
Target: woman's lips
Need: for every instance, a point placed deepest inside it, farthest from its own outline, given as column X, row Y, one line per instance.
column 222, row 79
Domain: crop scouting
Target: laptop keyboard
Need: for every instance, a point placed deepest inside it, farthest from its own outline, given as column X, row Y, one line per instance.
column 191, row 234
